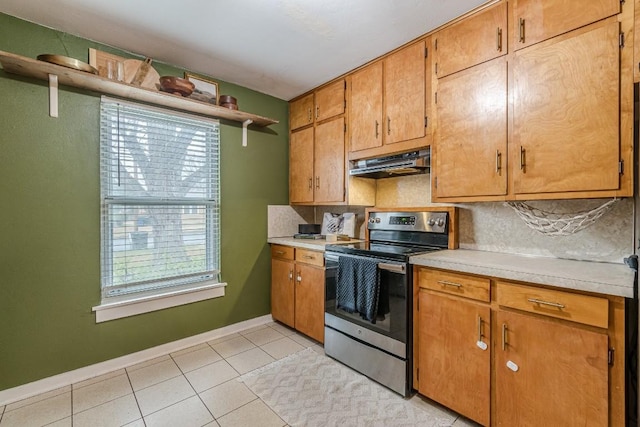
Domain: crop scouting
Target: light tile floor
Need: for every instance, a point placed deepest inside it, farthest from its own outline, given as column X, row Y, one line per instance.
column 192, row 387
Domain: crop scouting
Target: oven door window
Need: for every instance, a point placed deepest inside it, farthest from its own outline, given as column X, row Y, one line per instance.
column 392, row 306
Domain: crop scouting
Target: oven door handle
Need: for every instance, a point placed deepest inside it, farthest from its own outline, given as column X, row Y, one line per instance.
column 329, row 257
column 394, row 268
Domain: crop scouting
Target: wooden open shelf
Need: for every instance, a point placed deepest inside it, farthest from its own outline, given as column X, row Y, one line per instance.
column 17, row 64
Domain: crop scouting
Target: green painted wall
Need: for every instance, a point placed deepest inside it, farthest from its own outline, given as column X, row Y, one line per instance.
column 50, row 217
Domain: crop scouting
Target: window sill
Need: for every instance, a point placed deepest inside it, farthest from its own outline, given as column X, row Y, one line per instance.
column 116, row 308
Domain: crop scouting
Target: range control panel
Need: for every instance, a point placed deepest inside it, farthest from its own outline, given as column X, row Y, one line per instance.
column 433, row 222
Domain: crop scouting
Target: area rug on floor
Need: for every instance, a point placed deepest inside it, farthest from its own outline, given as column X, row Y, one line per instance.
column 309, row 389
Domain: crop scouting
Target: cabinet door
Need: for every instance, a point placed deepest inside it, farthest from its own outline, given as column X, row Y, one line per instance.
column 454, row 370
column 309, row 306
column 404, row 94
column 471, row 136
column 301, row 112
column 549, row 374
column 329, row 161
column 566, row 113
column 538, row 20
column 365, row 109
column 329, row 101
column 301, row 166
column 472, row 41
column 282, row 291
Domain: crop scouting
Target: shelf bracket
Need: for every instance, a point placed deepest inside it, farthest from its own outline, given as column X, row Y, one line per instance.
column 244, row 131
column 53, row 95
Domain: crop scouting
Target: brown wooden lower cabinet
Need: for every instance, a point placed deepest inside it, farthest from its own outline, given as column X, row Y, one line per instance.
column 297, row 289
column 309, row 305
column 549, row 373
column 455, row 369
column 521, row 355
column 282, row 291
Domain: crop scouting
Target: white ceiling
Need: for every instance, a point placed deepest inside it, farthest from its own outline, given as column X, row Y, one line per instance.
column 279, row 47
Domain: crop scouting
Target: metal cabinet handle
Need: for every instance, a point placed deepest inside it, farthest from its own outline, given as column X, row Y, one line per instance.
column 542, row 302
column 499, row 39
column 290, row 274
column 317, row 111
column 310, row 183
column 504, row 336
column 523, row 159
column 299, row 278
column 479, row 328
column 309, row 119
column 447, row 283
column 498, row 161
column 521, row 29
column 388, row 125
column 377, row 125
column 318, row 182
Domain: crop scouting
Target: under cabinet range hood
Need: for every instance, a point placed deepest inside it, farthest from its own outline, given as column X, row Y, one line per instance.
column 411, row 163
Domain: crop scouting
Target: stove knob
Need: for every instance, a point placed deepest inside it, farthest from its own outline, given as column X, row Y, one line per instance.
column 377, row 220
column 372, row 220
column 431, row 222
column 440, row 222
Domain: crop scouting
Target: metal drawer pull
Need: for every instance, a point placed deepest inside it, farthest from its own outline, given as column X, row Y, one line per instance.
column 499, row 39
column 541, row 302
column 446, row 283
column 392, row 267
column 308, row 256
column 504, row 336
column 521, row 28
column 280, row 252
column 290, row 274
column 299, row 278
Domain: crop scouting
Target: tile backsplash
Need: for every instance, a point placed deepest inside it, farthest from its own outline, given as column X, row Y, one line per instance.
column 493, row 227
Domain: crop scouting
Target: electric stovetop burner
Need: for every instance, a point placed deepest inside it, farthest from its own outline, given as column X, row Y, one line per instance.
column 378, row 249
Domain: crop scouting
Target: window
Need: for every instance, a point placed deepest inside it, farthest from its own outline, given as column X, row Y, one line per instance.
column 160, row 200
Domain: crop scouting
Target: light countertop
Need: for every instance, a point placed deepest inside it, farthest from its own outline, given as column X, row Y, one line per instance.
column 313, row 244
column 599, row 277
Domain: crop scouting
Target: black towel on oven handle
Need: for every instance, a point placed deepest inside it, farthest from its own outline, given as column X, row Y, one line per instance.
column 358, row 286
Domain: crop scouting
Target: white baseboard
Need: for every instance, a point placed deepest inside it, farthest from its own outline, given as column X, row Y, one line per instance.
column 24, row 391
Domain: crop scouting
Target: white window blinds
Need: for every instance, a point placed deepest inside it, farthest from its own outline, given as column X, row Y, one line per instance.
column 160, row 198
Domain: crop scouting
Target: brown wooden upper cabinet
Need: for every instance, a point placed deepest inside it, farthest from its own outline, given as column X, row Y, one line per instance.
column 472, row 41
column 388, row 103
column 537, row 20
column 317, row 164
column 549, row 121
column 566, row 113
column 470, row 152
column 301, row 112
column 323, row 104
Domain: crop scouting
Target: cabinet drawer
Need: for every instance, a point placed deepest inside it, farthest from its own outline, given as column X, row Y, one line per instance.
column 310, row 257
column 280, row 251
column 549, row 302
column 455, row 284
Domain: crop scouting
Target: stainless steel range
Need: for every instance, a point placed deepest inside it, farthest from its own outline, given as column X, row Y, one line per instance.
column 368, row 307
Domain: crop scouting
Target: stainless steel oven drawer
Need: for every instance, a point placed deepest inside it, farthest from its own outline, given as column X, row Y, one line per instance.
column 372, row 362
